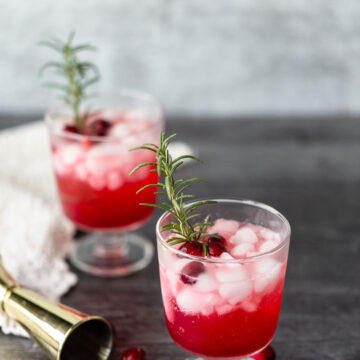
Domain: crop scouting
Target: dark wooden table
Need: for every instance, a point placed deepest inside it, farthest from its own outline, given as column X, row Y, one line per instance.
column 306, row 168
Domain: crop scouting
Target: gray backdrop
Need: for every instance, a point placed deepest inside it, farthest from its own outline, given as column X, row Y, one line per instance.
column 199, row 57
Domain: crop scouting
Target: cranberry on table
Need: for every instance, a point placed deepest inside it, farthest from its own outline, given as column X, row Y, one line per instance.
column 267, row 354
column 192, row 248
column 191, row 271
column 134, row 353
column 215, row 248
column 99, row 127
column 71, row 129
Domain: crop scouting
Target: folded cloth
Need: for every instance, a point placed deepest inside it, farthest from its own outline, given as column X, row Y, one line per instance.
column 35, row 237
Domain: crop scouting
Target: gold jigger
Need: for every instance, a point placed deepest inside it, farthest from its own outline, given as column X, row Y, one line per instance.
column 62, row 332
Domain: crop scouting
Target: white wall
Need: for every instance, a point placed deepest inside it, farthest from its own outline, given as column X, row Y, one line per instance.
column 202, row 57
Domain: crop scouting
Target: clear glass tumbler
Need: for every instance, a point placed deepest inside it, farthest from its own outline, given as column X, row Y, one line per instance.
column 95, row 189
column 226, row 307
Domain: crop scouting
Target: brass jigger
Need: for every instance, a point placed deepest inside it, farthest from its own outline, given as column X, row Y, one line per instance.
column 62, row 332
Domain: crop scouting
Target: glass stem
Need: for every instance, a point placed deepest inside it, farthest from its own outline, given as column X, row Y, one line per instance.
column 111, row 246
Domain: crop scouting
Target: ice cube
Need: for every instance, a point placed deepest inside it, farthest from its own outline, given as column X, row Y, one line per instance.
column 173, row 280
column 59, row 166
column 267, row 273
column 223, row 309
column 132, row 141
column 136, row 118
column 189, row 301
column 205, row 283
column 207, row 310
column 225, row 265
column 225, row 228
column 244, row 235
column 97, row 183
column 71, row 154
column 268, row 245
column 226, row 255
column 104, row 158
column 268, row 234
column 119, row 130
column 178, row 264
column 233, row 274
column 212, row 298
column 234, row 284
column 243, row 249
column 234, row 292
column 81, row 171
column 139, row 156
column 210, row 301
column 249, row 305
column 114, row 180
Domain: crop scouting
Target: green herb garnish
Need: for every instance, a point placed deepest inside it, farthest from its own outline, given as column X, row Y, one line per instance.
column 173, row 191
column 79, row 75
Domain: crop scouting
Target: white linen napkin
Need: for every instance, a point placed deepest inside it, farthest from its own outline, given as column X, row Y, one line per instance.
column 35, row 236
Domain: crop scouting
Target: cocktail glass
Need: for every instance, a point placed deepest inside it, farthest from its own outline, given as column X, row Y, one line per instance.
column 95, row 189
column 226, row 308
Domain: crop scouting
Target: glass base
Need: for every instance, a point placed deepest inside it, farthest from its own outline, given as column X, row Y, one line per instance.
column 112, row 255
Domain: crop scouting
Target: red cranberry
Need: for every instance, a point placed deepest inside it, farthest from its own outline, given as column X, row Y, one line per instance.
column 191, row 271
column 133, row 354
column 192, row 248
column 267, row 354
column 71, row 129
column 99, row 127
column 219, row 239
column 215, row 248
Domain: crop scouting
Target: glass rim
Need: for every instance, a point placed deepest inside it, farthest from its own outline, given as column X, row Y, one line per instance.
column 254, row 203
column 50, row 117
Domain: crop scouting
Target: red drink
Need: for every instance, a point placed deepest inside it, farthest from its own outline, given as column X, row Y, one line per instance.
column 93, row 179
column 89, row 208
column 92, row 165
column 227, row 306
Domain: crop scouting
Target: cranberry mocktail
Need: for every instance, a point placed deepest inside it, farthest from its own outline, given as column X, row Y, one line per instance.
column 92, row 172
column 225, row 304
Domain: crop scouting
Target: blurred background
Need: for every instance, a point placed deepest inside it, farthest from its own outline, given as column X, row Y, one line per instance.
column 222, row 58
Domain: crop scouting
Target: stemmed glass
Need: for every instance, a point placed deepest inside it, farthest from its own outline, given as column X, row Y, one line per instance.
column 226, row 307
column 95, row 189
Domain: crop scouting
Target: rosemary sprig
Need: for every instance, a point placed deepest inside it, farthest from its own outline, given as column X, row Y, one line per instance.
column 173, row 190
column 79, row 75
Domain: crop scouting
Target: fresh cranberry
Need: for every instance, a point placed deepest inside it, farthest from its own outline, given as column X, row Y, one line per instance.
column 220, row 239
column 215, row 248
column 192, row 248
column 191, row 271
column 71, row 129
column 267, row 354
column 99, row 127
column 133, row 354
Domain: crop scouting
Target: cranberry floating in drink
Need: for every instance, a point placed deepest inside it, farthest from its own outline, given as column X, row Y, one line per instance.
column 222, row 269
column 92, row 162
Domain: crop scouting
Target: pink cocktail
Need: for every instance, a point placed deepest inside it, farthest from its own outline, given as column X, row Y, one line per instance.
column 227, row 306
column 95, row 189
